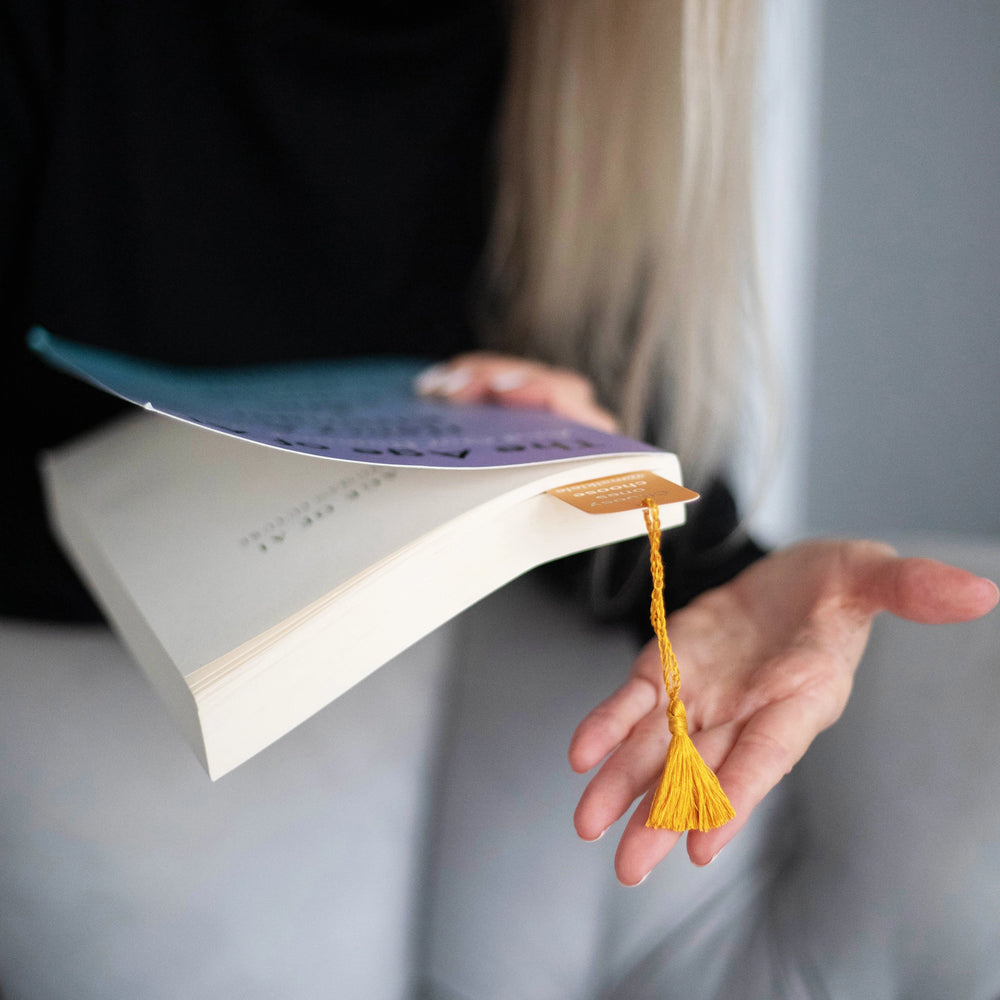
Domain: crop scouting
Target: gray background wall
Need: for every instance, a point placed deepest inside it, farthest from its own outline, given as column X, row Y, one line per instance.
column 902, row 384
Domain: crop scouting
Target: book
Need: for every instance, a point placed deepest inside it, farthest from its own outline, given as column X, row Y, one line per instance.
column 263, row 539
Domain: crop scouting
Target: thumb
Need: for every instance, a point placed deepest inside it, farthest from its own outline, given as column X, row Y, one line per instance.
column 927, row 591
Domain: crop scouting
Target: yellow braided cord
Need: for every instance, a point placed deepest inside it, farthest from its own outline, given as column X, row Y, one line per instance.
column 657, row 614
column 689, row 796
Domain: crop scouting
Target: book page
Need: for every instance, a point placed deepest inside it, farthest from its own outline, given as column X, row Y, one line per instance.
column 217, row 539
column 359, row 410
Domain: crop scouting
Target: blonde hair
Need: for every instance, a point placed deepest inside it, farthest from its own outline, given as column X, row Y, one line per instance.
column 622, row 242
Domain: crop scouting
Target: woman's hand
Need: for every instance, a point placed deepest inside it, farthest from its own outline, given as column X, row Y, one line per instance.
column 767, row 662
column 484, row 377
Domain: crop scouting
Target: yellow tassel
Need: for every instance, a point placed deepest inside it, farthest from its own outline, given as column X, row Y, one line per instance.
column 689, row 796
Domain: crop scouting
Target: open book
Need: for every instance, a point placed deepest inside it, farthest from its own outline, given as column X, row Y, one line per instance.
column 267, row 538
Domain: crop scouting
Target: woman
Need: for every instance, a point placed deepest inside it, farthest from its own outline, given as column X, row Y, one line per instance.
column 224, row 183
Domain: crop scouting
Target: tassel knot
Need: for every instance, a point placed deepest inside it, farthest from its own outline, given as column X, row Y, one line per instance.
column 677, row 718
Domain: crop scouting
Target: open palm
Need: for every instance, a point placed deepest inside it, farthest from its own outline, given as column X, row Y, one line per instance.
column 767, row 662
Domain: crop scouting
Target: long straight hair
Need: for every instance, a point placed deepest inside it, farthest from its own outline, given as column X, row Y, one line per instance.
column 623, row 238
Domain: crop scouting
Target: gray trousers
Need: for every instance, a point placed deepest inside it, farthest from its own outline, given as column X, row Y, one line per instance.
column 415, row 837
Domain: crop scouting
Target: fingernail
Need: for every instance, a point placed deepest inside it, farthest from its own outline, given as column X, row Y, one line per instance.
column 455, row 380
column 594, row 840
column 506, row 381
column 442, row 380
column 430, row 379
column 714, row 856
column 635, row 885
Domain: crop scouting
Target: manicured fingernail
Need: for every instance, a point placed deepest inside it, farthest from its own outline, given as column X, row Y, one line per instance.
column 714, row 856
column 430, row 379
column 635, row 885
column 594, row 840
column 442, row 380
column 454, row 381
column 506, row 381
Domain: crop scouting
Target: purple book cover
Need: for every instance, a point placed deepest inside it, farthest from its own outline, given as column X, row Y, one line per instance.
column 358, row 410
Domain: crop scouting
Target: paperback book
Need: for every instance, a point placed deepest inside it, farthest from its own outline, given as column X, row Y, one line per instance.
column 262, row 539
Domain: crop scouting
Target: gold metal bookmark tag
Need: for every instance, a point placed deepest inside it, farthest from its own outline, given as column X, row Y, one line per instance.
column 628, row 491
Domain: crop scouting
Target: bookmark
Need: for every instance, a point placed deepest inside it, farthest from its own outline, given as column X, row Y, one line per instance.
column 689, row 796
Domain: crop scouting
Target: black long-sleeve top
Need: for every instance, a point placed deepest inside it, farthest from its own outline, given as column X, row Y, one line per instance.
column 216, row 181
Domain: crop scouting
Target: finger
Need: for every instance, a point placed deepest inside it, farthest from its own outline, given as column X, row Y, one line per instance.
column 641, row 849
column 610, row 723
column 440, row 380
column 508, row 381
column 462, row 379
column 635, row 766
column 927, row 591
column 475, row 372
column 624, row 776
column 766, row 749
column 559, row 392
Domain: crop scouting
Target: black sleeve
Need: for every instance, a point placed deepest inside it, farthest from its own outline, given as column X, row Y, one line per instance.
column 34, row 577
column 27, row 72
column 707, row 551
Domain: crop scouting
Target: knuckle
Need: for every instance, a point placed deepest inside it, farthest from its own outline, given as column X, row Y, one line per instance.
column 774, row 755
